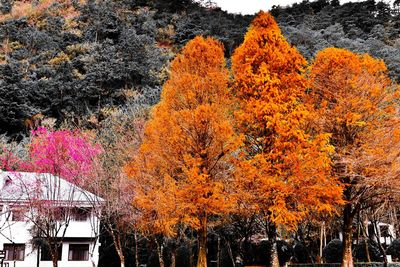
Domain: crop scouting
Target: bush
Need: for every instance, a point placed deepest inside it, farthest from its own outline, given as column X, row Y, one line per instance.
column 332, row 253
column 394, row 250
column 262, row 252
column 301, row 253
column 360, row 254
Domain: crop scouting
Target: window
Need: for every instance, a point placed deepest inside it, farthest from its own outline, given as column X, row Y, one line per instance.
column 45, row 254
column 14, row 252
column 384, row 230
column 371, row 230
column 59, row 213
column 18, row 214
column 80, row 214
column 78, row 252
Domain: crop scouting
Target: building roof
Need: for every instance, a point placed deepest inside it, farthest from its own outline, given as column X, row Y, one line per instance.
column 28, row 186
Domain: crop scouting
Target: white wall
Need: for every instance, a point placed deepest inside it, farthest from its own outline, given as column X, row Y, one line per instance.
column 18, row 233
column 31, row 258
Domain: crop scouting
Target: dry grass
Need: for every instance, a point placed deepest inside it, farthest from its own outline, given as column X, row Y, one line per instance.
column 34, row 12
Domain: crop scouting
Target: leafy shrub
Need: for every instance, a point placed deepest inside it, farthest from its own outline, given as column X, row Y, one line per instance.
column 262, row 252
column 300, row 253
column 360, row 254
column 394, row 249
column 332, row 253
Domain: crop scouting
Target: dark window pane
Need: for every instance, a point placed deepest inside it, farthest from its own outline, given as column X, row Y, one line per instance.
column 78, row 252
column 14, row 252
column 80, row 214
column 45, row 254
column 18, row 215
column 384, row 230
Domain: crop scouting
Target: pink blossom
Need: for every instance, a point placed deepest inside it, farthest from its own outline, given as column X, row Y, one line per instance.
column 69, row 154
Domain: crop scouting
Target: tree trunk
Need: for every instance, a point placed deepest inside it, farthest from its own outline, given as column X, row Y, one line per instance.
column 118, row 248
column 54, row 259
column 364, row 228
column 173, row 246
column 230, row 253
column 54, row 253
column 38, row 257
column 173, row 258
column 321, row 241
column 347, row 260
column 378, row 239
column 160, row 252
column 202, row 239
column 136, row 249
column 274, row 260
column 218, row 251
column 121, row 259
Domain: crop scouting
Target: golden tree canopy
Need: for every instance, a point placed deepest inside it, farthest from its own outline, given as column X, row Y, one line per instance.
column 183, row 171
column 285, row 173
column 358, row 104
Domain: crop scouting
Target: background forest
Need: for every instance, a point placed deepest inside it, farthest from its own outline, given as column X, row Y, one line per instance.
column 100, row 66
column 77, row 61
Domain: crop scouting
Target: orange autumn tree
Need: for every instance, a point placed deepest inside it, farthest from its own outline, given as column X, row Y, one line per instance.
column 357, row 103
column 183, row 172
column 284, row 173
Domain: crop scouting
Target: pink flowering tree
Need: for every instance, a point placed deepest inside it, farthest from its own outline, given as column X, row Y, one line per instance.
column 71, row 155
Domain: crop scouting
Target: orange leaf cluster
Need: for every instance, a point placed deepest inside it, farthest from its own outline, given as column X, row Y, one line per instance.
column 183, row 171
column 357, row 103
column 285, row 171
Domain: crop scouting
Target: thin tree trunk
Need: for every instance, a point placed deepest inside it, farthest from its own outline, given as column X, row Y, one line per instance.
column 218, row 251
column 173, row 258
column 160, row 252
column 54, row 257
column 228, row 246
column 202, row 239
column 347, row 260
column 321, row 241
column 136, row 249
column 118, row 247
column 53, row 246
column 378, row 239
column 38, row 257
column 121, row 258
column 274, row 260
column 365, row 237
column 173, row 246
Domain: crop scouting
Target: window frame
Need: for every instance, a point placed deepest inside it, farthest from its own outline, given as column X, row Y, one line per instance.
column 72, row 248
column 81, row 214
column 15, row 251
column 47, row 251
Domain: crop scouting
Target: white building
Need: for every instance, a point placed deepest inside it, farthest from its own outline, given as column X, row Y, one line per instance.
column 37, row 208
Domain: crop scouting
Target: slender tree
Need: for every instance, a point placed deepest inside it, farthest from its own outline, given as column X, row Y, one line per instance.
column 183, row 172
column 356, row 103
column 120, row 135
column 284, row 173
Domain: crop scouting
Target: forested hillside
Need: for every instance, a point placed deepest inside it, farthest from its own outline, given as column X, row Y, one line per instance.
column 76, row 61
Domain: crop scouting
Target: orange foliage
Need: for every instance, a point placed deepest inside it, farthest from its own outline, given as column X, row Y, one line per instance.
column 357, row 103
column 285, row 171
column 182, row 174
